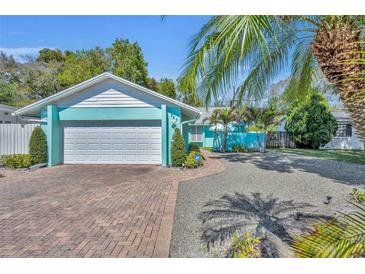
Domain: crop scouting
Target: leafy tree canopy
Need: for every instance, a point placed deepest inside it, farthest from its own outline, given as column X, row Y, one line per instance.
column 53, row 70
column 310, row 122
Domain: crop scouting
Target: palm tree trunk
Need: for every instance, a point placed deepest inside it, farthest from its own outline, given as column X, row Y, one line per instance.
column 258, row 140
column 337, row 48
column 224, row 139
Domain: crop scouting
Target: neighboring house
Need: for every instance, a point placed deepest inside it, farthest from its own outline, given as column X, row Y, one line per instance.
column 206, row 135
column 345, row 138
column 108, row 120
column 6, row 116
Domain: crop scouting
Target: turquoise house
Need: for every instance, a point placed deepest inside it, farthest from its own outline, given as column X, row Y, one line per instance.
column 205, row 135
column 109, row 120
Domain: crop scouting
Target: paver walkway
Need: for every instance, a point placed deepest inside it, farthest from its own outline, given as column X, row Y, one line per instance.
column 91, row 210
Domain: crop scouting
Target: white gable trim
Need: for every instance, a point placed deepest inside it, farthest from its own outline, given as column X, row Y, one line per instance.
column 92, row 81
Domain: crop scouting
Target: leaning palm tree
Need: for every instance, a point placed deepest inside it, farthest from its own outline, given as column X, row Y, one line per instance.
column 321, row 49
column 343, row 237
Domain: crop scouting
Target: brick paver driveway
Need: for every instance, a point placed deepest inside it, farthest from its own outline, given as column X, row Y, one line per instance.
column 91, row 210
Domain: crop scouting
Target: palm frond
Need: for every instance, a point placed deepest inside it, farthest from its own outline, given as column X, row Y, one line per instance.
column 343, row 237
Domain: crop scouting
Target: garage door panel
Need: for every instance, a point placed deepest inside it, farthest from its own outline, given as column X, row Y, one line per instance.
column 113, row 142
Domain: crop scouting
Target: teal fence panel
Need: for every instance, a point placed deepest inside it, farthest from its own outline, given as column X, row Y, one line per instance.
column 247, row 139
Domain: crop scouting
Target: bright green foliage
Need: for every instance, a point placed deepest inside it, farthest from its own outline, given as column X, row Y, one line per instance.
column 166, row 87
column 16, row 161
column 191, row 162
column 194, row 147
column 38, row 146
column 358, row 195
column 178, row 154
column 311, row 123
column 47, row 55
column 24, row 82
column 128, row 61
column 343, row 237
column 83, row 65
column 245, row 246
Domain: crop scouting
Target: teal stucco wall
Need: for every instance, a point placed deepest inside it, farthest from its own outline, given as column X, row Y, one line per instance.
column 53, row 132
column 174, row 121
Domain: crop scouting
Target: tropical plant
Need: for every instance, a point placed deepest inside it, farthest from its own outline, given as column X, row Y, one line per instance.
column 320, row 48
column 178, row 155
column 311, row 123
column 358, row 195
column 343, row 237
column 192, row 161
column 245, row 246
column 38, row 146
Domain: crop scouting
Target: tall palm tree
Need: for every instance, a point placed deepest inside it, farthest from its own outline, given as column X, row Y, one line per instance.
column 323, row 49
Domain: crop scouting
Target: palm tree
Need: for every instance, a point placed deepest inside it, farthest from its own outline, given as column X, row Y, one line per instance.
column 269, row 118
column 321, row 49
column 251, row 117
column 224, row 117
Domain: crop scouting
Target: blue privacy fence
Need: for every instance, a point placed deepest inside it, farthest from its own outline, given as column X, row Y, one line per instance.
column 247, row 139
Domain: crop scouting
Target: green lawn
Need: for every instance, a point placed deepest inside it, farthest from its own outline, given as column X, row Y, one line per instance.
column 351, row 156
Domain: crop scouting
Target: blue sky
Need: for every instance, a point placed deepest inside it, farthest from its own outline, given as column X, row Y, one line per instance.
column 164, row 44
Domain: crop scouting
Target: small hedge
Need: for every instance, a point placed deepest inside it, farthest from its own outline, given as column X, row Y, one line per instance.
column 191, row 162
column 16, row 161
column 194, row 147
column 38, row 146
column 178, row 155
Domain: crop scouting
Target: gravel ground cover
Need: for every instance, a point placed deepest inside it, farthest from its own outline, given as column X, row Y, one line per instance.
column 274, row 195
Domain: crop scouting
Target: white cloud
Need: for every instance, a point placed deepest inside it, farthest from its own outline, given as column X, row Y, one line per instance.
column 19, row 53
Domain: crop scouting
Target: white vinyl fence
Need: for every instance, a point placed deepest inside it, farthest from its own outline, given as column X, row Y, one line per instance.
column 14, row 138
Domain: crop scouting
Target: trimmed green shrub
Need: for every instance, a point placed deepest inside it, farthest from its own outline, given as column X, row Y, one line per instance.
column 38, row 146
column 191, row 162
column 16, row 161
column 245, row 246
column 194, row 147
column 178, row 155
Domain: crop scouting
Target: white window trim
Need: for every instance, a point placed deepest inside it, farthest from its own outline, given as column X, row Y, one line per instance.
column 196, row 136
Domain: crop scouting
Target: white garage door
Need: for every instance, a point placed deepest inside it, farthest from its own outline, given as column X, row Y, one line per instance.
column 122, row 142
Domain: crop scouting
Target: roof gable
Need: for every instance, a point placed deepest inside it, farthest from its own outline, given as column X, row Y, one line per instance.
column 110, row 93
column 37, row 106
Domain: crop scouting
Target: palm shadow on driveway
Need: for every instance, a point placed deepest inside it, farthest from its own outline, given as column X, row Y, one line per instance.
column 267, row 217
column 346, row 173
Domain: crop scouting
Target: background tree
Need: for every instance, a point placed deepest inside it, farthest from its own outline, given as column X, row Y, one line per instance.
column 152, row 84
column 166, row 87
column 128, row 61
column 311, row 123
column 23, row 82
column 83, row 65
